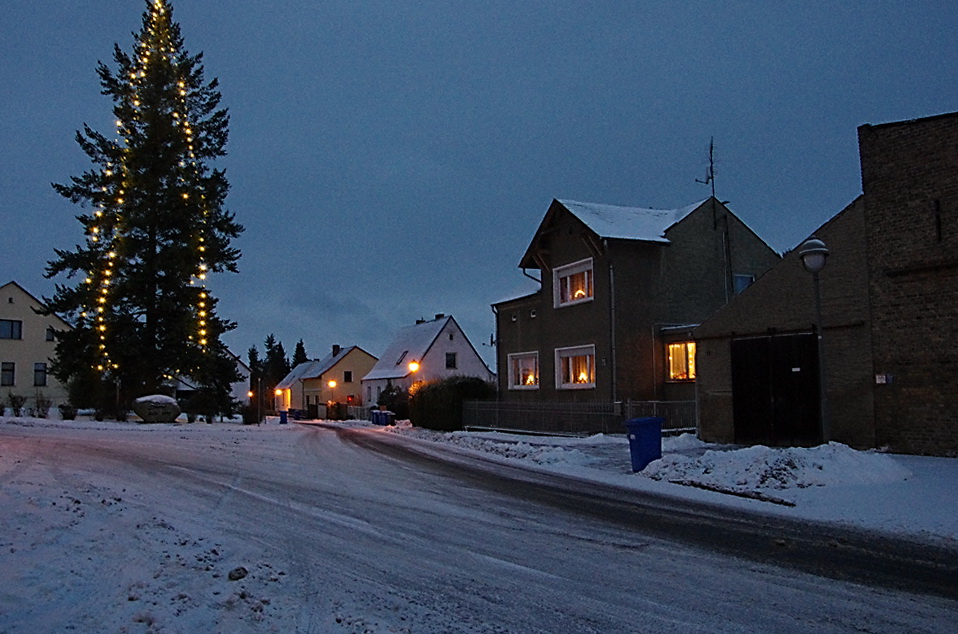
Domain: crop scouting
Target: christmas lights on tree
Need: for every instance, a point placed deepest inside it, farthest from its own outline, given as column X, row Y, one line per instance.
column 158, row 227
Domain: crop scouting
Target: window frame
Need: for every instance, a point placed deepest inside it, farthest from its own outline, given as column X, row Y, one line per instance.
column 688, row 357
column 738, row 278
column 515, row 383
column 40, row 374
column 565, row 272
column 452, row 361
column 11, row 329
column 8, row 374
column 571, row 352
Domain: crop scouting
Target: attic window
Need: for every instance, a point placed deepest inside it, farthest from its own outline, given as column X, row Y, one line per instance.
column 402, row 357
column 572, row 284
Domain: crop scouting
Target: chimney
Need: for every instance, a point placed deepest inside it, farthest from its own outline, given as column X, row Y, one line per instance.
column 440, row 316
column 336, row 349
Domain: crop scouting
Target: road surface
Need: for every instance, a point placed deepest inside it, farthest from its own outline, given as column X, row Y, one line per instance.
column 325, row 531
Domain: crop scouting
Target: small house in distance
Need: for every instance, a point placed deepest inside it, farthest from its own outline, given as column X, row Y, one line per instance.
column 334, row 378
column 427, row 351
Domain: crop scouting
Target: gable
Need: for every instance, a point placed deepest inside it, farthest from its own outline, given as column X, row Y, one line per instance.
column 599, row 222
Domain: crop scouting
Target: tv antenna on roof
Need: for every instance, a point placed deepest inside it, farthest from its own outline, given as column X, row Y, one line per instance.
column 710, row 171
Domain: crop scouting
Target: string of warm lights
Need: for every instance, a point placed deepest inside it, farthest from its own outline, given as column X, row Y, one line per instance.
column 155, row 47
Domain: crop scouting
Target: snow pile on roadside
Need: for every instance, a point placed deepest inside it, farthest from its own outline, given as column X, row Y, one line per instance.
column 503, row 445
column 760, row 468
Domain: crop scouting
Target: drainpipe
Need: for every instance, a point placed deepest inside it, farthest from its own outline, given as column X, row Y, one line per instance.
column 612, row 360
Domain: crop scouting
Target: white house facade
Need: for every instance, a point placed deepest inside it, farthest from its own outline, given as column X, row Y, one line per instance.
column 427, row 351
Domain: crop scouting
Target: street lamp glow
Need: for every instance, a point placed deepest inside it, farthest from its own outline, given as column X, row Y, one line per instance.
column 278, row 392
column 332, row 385
column 413, row 366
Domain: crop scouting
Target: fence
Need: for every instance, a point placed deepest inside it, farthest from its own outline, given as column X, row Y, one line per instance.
column 577, row 418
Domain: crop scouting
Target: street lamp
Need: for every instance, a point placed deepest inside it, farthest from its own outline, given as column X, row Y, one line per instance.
column 814, row 253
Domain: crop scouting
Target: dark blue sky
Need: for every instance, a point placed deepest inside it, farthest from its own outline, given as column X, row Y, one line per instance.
column 392, row 160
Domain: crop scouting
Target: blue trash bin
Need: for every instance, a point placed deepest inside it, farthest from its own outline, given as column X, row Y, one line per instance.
column 283, row 417
column 375, row 417
column 645, row 440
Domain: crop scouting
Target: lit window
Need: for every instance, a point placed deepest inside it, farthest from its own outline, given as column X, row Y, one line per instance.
column 572, row 284
column 682, row 361
column 11, row 329
column 575, row 368
column 524, row 371
column 39, row 374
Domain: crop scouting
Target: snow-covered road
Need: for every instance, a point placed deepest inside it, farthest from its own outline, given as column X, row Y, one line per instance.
column 140, row 529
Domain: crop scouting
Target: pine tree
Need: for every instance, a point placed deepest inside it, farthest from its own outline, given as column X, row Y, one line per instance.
column 299, row 353
column 156, row 226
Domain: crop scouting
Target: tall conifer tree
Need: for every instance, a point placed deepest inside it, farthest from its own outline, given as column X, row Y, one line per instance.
column 155, row 227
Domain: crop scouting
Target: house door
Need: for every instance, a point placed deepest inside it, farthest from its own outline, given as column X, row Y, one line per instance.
column 775, row 392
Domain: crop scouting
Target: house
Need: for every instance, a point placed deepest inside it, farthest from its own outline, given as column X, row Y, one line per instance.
column 334, row 378
column 889, row 298
column 427, row 351
column 621, row 290
column 27, row 347
column 239, row 390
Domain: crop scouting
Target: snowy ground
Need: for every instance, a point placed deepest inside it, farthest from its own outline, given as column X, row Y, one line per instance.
column 218, row 533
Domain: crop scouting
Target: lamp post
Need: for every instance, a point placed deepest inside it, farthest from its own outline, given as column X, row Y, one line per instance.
column 814, row 253
column 331, row 403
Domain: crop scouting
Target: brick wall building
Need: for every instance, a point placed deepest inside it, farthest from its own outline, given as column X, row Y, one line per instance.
column 910, row 184
column 890, row 309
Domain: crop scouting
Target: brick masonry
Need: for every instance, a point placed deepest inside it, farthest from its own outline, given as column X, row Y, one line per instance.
column 910, row 183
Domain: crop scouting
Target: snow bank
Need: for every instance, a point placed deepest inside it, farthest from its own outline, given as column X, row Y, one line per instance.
column 763, row 468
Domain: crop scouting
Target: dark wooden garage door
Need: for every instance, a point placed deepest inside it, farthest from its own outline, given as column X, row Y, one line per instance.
column 775, row 394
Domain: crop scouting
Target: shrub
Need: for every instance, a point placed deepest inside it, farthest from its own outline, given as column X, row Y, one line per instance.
column 438, row 405
column 67, row 411
column 396, row 400
column 16, row 402
column 43, row 405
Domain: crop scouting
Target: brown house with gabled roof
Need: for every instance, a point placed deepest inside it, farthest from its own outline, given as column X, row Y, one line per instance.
column 621, row 290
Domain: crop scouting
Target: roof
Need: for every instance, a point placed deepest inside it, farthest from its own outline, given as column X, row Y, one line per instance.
column 628, row 223
column 610, row 221
column 314, row 369
column 410, row 343
column 16, row 284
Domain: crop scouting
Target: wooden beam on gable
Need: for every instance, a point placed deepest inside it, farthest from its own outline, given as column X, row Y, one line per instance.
column 593, row 243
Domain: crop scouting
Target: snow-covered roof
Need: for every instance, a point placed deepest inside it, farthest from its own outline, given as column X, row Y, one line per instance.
column 628, row 223
column 410, row 344
column 312, row 369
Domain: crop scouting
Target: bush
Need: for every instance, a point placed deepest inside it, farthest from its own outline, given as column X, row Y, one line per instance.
column 396, row 400
column 43, row 405
column 438, row 405
column 67, row 411
column 250, row 414
column 16, row 402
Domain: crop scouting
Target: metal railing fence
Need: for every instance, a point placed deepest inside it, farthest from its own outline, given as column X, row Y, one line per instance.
column 576, row 418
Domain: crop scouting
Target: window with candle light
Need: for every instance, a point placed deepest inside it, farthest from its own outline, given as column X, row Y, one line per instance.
column 524, row 371
column 575, row 368
column 572, row 284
